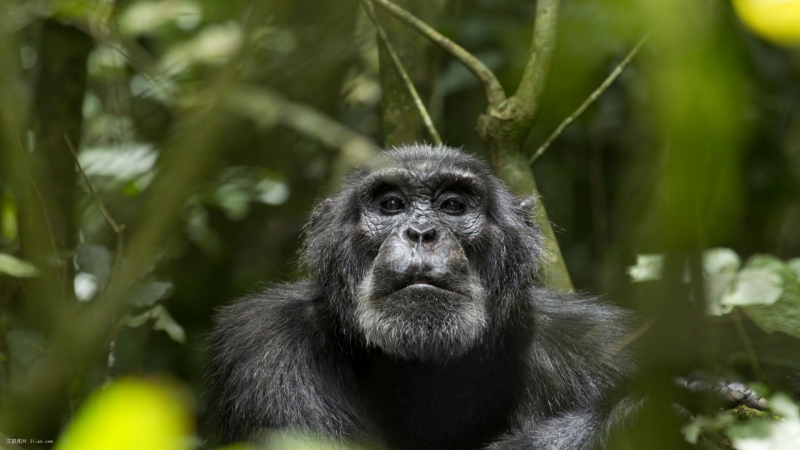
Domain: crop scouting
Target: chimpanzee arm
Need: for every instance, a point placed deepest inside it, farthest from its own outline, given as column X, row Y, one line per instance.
column 580, row 365
column 574, row 430
column 273, row 365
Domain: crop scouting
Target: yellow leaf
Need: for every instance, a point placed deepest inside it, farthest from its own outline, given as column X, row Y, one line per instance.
column 130, row 414
column 774, row 20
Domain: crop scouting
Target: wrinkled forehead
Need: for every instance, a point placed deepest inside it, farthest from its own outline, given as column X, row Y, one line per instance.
column 424, row 173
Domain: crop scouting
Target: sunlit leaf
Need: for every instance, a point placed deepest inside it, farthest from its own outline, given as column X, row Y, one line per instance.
column 8, row 216
column 720, row 270
column 135, row 321
column 705, row 424
column 756, row 287
column 719, row 260
column 272, row 192
column 647, row 268
column 239, row 186
column 86, row 286
column 771, row 434
column 106, row 59
column 11, row 265
column 142, row 17
column 123, row 162
column 782, row 314
column 130, row 414
column 213, row 45
column 775, row 20
column 234, row 199
column 794, row 264
column 165, row 321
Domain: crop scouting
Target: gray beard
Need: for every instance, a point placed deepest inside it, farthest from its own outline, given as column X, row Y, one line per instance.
column 419, row 323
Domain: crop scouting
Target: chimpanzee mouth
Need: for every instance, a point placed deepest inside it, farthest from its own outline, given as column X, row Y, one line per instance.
column 412, row 287
column 423, row 284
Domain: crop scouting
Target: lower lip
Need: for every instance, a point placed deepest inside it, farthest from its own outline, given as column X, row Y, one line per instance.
column 421, row 286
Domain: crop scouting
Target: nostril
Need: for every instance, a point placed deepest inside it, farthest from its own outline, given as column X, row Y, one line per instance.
column 424, row 234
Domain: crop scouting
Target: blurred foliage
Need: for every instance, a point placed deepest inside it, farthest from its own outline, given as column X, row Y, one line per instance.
column 131, row 414
column 776, row 21
column 209, row 129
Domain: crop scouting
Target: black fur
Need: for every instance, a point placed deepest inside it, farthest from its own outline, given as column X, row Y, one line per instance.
column 420, row 325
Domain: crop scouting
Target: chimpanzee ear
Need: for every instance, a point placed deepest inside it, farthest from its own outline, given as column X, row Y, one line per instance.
column 524, row 204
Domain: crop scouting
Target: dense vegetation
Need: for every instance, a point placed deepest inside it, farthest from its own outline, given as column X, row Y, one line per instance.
column 159, row 159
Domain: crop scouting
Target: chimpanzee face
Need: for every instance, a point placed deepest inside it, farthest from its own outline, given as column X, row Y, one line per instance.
column 421, row 298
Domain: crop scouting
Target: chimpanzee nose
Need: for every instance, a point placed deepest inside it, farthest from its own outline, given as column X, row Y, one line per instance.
column 422, row 233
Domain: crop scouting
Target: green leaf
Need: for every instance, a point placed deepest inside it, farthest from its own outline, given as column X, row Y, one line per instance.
column 767, row 274
column 705, row 424
column 647, row 268
column 8, row 216
column 720, row 271
column 213, row 45
column 26, row 349
column 150, row 293
column 718, row 260
column 794, row 264
column 165, row 321
column 135, row 321
column 758, row 434
column 16, row 267
column 96, row 260
column 131, row 414
column 85, row 286
column 756, row 286
column 142, row 17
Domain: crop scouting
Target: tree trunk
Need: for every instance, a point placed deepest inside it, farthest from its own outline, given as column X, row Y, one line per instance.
column 401, row 122
column 58, row 105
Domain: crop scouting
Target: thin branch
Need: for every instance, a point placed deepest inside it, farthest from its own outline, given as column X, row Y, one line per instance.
column 50, row 234
column 398, row 65
column 267, row 108
column 112, row 358
column 592, row 98
column 118, row 229
column 541, row 56
column 634, row 336
column 494, row 90
column 751, row 353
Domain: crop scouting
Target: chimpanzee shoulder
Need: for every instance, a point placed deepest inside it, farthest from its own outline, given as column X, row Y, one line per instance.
column 272, row 354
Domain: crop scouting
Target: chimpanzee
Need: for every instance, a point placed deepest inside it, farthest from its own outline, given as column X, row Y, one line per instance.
column 421, row 325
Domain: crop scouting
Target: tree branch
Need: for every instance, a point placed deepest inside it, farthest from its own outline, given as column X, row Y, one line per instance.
column 540, row 60
column 591, row 99
column 268, row 108
column 118, row 228
column 398, row 65
column 494, row 90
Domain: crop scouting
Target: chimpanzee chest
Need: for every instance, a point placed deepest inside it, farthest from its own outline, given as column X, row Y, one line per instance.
column 457, row 405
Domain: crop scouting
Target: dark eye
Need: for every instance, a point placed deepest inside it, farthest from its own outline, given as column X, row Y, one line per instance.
column 453, row 206
column 392, row 205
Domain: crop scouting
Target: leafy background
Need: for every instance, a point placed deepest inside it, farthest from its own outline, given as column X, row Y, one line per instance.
column 208, row 130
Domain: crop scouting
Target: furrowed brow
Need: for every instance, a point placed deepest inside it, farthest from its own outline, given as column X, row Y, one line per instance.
column 458, row 180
